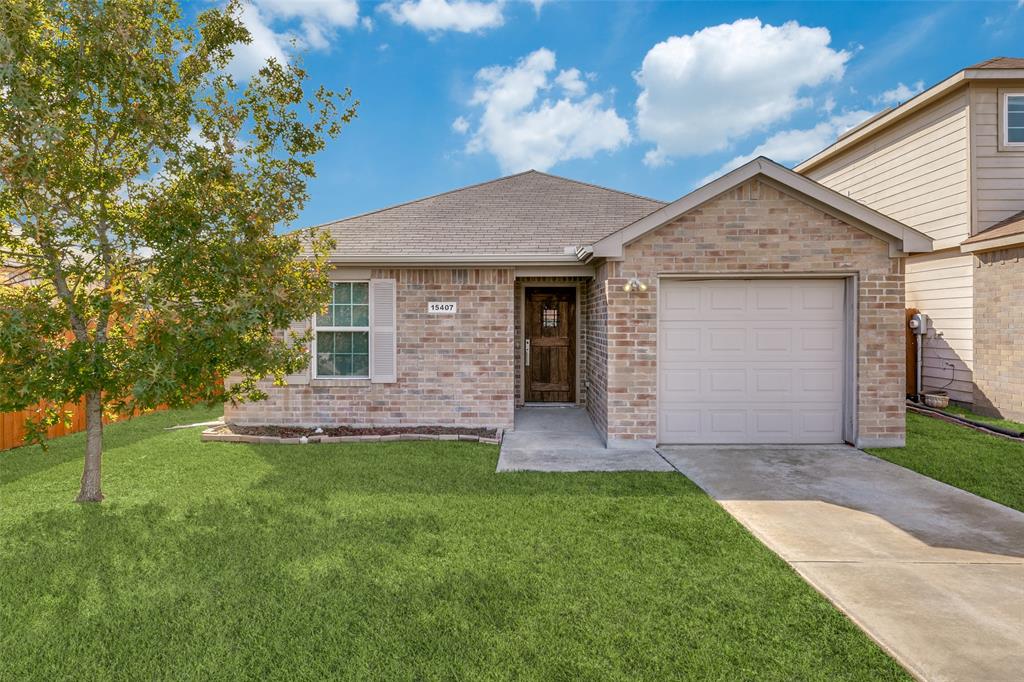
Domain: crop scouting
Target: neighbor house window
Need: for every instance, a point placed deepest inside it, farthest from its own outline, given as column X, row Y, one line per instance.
column 342, row 333
column 1013, row 119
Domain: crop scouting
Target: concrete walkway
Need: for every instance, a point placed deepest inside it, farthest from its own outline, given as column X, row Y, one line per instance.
column 564, row 439
column 932, row 573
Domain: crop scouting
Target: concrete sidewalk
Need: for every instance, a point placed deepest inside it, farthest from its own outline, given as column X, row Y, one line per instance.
column 932, row 573
column 564, row 439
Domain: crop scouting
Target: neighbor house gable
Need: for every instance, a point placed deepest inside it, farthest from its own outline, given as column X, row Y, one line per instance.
column 901, row 238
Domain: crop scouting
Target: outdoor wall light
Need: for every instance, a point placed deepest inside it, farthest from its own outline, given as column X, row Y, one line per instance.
column 634, row 283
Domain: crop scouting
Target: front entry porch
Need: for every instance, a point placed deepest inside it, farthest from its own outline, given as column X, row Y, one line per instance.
column 564, row 439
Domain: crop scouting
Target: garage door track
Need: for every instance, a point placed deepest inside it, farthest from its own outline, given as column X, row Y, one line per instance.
column 932, row 573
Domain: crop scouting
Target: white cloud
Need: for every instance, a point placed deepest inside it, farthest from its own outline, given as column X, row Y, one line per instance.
column 316, row 17
column 460, row 125
column 901, row 93
column 793, row 146
column 367, row 23
column 703, row 91
column 537, row 4
column 434, row 16
column 265, row 44
column 317, row 21
column 525, row 128
column 571, row 82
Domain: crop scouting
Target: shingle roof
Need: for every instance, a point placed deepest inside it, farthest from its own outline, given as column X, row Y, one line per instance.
column 531, row 213
column 1004, row 228
column 1000, row 63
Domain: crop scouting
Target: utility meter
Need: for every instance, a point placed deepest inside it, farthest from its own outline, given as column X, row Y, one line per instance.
column 919, row 323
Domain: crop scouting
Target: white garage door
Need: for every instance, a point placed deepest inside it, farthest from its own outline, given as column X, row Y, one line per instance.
column 751, row 361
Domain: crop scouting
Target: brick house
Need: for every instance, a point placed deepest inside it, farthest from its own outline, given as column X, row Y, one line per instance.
column 762, row 307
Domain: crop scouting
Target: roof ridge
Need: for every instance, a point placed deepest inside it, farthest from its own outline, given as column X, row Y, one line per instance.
column 595, row 186
column 474, row 186
column 414, row 201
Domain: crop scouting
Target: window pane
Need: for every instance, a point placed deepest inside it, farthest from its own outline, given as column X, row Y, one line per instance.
column 325, row 319
column 360, row 315
column 342, row 316
column 324, row 365
column 343, row 342
column 361, row 342
column 325, row 342
column 1015, row 102
column 361, row 365
column 360, row 292
column 343, row 365
column 1015, row 119
column 1015, row 135
column 342, row 292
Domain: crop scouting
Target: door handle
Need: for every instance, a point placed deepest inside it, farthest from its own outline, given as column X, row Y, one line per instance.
column 527, row 352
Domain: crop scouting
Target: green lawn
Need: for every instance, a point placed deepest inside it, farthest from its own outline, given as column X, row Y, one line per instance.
column 392, row 561
column 985, row 465
column 964, row 412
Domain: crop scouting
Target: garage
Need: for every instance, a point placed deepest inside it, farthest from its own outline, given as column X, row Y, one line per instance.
column 751, row 360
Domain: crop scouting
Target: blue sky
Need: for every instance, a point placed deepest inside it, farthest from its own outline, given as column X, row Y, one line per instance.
column 649, row 97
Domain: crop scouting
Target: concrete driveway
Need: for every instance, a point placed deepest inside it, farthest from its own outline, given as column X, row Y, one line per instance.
column 932, row 573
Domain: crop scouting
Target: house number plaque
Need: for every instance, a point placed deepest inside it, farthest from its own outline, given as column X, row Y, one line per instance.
column 441, row 307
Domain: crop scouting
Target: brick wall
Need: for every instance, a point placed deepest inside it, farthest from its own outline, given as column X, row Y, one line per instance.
column 452, row 369
column 597, row 350
column 999, row 333
column 756, row 229
column 583, row 330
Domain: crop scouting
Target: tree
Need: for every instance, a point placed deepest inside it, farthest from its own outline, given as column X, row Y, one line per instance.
column 140, row 188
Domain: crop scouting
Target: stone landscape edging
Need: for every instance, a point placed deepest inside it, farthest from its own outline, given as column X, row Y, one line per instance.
column 218, row 434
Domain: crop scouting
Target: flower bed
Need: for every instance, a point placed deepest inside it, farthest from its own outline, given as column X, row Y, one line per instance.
column 346, row 434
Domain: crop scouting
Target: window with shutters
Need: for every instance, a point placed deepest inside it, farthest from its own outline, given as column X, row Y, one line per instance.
column 342, row 333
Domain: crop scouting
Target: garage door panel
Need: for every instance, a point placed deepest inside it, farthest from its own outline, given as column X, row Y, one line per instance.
column 769, row 372
column 752, row 383
column 797, row 423
column 756, row 300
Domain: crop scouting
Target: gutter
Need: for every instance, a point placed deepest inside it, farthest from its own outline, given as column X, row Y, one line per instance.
column 993, row 244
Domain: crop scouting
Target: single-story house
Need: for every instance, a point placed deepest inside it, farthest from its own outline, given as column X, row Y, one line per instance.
column 762, row 307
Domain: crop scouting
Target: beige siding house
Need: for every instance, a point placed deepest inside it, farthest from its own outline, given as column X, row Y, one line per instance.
column 950, row 163
column 761, row 308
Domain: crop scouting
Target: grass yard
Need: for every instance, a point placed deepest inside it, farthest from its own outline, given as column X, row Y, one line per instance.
column 391, row 561
column 964, row 412
column 985, row 465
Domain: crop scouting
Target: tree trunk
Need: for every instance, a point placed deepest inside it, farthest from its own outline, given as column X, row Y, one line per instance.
column 90, row 491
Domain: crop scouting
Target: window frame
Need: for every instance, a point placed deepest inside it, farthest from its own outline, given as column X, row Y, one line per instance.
column 314, row 373
column 1004, row 132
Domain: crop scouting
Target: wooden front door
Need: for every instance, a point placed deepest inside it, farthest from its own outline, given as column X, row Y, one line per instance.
column 550, row 340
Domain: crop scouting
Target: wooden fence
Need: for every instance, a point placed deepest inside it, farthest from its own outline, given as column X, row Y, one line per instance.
column 12, row 425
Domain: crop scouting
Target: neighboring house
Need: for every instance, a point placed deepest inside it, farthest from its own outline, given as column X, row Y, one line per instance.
column 950, row 163
column 762, row 307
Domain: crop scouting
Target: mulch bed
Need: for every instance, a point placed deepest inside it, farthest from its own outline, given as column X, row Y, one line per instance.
column 333, row 431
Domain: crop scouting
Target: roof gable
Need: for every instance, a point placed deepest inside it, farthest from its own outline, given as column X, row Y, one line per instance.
column 528, row 214
column 902, row 239
column 997, row 68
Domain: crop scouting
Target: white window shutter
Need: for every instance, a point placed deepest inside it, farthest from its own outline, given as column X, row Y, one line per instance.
column 302, row 377
column 383, row 328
